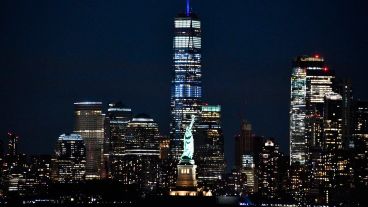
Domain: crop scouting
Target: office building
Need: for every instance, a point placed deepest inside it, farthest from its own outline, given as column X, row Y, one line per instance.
column 268, row 175
column 244, row 144
column 344, row 88
column 248, row 168
column 89, row 123
column 186, row 86
column 13, row 140
column 117, row 118
column 69, row 162
column 142, row 153
column 360, row 137
column 209, row 142
column 311, row 79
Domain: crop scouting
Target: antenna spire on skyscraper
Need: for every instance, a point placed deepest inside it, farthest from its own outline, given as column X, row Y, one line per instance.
column 188, row 8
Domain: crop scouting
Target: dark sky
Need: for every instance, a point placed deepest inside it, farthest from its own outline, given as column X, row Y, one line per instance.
column 54, row 53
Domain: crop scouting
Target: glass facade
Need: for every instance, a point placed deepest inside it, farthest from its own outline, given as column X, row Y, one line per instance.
column 209, row 145
column 311, row 80
column 89, row 122
column 117, row 118
column 186, row 89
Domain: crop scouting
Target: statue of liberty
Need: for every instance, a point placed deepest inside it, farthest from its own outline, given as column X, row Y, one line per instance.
column 188, row 142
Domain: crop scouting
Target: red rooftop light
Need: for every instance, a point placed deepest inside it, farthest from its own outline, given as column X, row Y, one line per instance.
column 316, row 56
column 325, row 69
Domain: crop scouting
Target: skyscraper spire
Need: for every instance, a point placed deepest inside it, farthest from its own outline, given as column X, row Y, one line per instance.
column 188, row 8
column 186, row 88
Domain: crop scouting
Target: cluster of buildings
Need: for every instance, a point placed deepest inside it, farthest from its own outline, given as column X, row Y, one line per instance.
column 328, row 129
column 328, row 133
column 328, row 141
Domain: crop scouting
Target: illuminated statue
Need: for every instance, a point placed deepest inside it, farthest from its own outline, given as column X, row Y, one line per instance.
column 188, row 142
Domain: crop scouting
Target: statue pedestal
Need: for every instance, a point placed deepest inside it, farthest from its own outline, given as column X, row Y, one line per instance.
column 186, row 183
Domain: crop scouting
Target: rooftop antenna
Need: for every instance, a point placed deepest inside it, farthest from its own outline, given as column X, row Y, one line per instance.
column 188, row 8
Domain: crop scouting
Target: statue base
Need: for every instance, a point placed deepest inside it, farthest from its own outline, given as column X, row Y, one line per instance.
column 186, row 183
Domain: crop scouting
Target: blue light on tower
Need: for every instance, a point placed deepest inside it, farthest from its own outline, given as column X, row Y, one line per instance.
column 188, row 8
column 186, row 88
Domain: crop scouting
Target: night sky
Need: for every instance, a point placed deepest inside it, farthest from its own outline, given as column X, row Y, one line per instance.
column 54, row 53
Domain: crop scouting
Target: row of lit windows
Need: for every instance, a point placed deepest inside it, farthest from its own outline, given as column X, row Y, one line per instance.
column 187, row 56
column 185, row 41
column 187, row 24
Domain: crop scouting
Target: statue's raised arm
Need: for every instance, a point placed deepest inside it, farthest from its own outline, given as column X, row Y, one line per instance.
column 191, row 122
column 188, row 142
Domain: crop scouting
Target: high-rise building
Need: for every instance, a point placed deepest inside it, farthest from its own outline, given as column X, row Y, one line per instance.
column 344, row 88
column 89, row 123
column 186, row 87
column 248, row 168
column 268, row 175
column 209, row 142
column 360, row 137
column 1, row 168
column 243, row 143
column 164, row 148
column 142, row 153
column 69, row 162
column 13, row 160
column 332, row 125
column 337, row 166
column 360, row 123
column 1, row 156
column 116, row 121
column 310, row 81
column 12, row 144
column 14, row 166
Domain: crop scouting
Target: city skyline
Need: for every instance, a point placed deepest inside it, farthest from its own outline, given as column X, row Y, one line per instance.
column 131, row 140
column 57, row 68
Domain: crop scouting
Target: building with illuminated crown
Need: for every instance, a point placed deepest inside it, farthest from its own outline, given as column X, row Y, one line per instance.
column 89, row 123
column 186, row 86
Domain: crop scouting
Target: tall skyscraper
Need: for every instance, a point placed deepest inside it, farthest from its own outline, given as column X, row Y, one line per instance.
column 1, row 166
column 269, row 170
column 14, row 160
column 89, row 123
column 337, row 167
column 209, row 150
column 186, row 87
column 310, row 81
column 243, row 143
column 69, row 162
column 332, row 126
column 344, row 88
column 142, row 153
column 117, row 118
column 12, row 144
